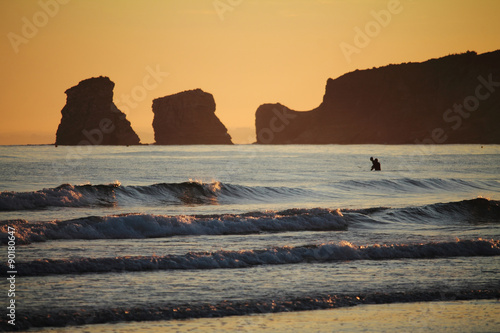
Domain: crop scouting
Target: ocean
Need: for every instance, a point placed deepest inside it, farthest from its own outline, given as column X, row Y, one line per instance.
column 101, row 235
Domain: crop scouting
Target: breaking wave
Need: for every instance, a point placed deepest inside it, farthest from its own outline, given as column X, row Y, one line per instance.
column 273, row 256
column 48, row 317
column 138, row 226
column 199, row 193
column 187, row 193
column 473, row 211
column 149, row 226
column 65, row 195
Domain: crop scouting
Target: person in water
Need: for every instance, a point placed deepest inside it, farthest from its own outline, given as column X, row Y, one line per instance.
column 375, row 164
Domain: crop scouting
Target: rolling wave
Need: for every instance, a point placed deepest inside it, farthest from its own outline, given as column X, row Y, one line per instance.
column 249, row 258
column 65, row 195
column 49, row 317
column 187, row 193
column 404, row 185
column 199, row 193
column 129, row 226
column 138, row 226
column 473, row 211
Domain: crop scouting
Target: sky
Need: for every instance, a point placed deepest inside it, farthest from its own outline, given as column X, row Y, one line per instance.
column 244, row 52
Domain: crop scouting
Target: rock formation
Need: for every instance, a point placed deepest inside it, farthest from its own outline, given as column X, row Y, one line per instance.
column 454, row 99
column 91, row 118
column 188, row 118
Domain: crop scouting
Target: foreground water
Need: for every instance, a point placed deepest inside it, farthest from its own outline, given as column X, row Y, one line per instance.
column 106, row 234
column 440, row 316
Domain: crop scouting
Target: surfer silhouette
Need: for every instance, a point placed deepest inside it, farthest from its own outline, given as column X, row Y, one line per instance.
column 375, row 164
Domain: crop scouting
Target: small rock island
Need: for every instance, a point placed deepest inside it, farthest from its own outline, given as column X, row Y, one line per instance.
column 454, row 99
column 188, row 118
column 91, row 118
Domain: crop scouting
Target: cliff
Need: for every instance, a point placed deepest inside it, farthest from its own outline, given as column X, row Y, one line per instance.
column 454, row 99
column 91, row 118
column 188, row 118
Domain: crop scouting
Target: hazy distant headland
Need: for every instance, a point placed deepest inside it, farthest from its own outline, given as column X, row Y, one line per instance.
column 454, row 99
column 91, row 118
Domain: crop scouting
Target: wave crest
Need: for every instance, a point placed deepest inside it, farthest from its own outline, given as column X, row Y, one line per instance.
column 274, row 256
column 65, row 195
column 149, row 226
column 187, row 193
column 473, row 211
column 49, row 317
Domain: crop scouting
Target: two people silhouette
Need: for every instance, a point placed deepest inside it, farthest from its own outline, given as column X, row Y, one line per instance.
column 375, row 164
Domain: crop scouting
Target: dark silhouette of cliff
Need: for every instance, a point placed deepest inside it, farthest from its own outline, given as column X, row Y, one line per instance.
column 91, row 118
column 187, row 118
column 454, row 99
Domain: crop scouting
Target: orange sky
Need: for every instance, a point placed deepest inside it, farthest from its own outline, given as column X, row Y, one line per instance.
column 244, row 52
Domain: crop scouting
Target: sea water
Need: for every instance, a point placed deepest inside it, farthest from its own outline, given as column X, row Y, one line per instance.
column 107, row 234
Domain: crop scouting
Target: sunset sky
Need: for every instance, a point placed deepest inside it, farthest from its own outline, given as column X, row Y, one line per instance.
column 244, row 52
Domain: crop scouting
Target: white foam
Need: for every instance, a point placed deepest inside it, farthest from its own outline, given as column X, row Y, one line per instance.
column 148, row 226
column 274, row 256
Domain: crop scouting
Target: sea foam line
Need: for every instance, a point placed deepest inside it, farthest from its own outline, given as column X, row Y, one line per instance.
column 48, row 317
column 191, row 192
column 139, row 226
column 273, row 256
column 194, row 192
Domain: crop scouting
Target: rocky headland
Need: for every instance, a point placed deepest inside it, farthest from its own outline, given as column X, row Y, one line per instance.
column 187, row 118
column 91, row 118
column 454, row 99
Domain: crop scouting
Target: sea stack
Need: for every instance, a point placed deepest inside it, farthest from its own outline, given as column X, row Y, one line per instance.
column 91, row 118
column 188, row 118
column 450, row 100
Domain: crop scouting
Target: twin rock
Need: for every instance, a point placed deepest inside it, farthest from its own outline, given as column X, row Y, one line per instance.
column 91, row 118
